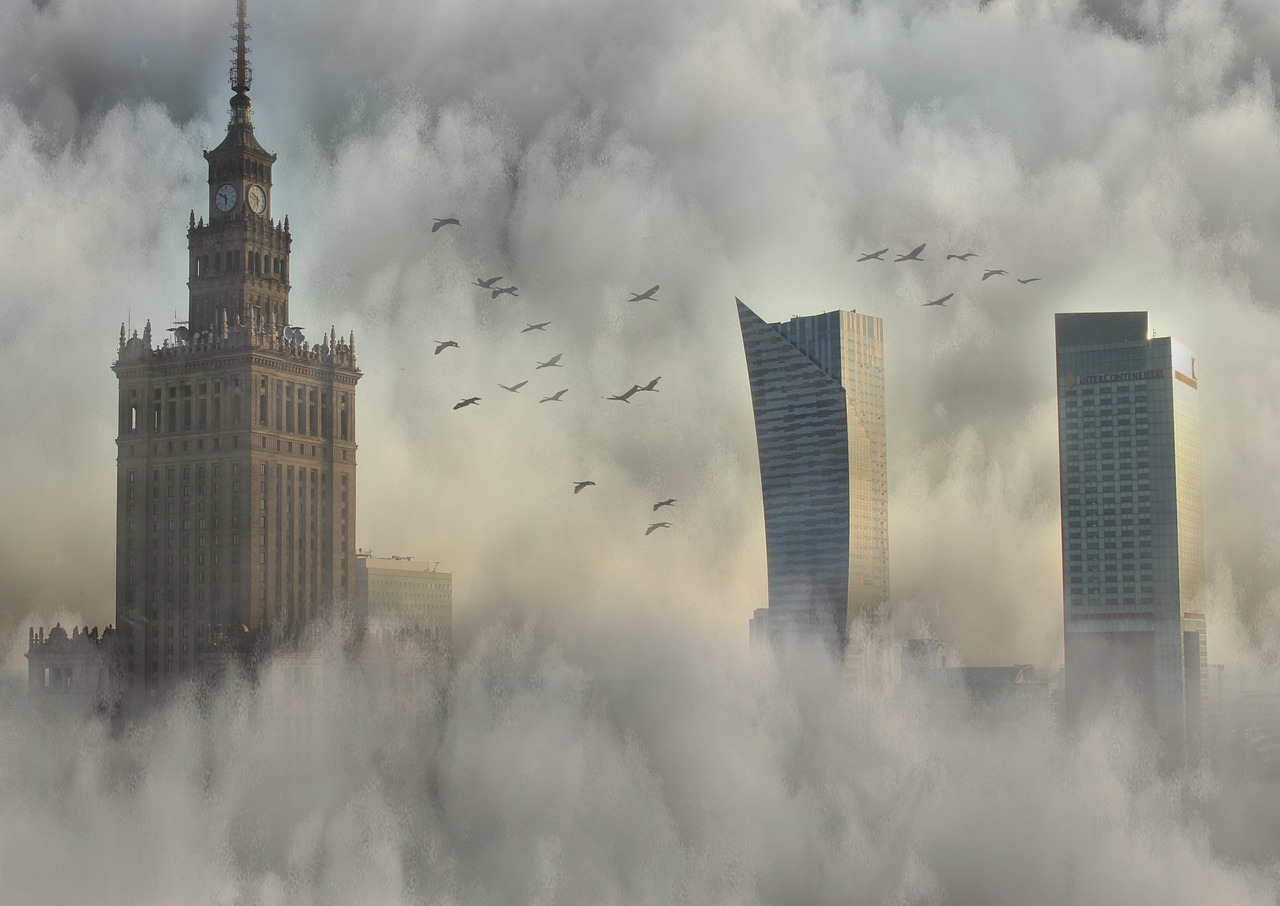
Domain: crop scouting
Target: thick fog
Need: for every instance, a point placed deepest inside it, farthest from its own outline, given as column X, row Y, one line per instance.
column 571, row 768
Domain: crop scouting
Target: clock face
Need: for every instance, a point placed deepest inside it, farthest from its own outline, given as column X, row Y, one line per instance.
column 225, row 198
column 257, row 199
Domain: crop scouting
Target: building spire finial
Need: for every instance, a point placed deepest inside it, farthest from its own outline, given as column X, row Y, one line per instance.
column 241, row 71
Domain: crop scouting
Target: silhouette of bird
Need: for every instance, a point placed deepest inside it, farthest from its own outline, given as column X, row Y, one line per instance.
column 1028, row 280
column 469, row 401
column 914, row 254
column 655, row 526
column 965, row 257
column 647, row 294
column 485, row 284
column 442, row 345
column 670, row 501
column 503, row 291
column 993, row 273
column 529, row 327
column 942, row 301
column 555, row 397
column 652, row 385
column 579, row 485
column 626, row 395
column 553, row 362
column 872, row 256
column 444, row 221
column 515, row 388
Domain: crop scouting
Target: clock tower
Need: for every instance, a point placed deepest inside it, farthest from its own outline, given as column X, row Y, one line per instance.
column 236, row 451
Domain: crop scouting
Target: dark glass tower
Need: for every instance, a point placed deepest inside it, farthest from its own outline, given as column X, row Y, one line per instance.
column 1132, row 524
column 817, row 389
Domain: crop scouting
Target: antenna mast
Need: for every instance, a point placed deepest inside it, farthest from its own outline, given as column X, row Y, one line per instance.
column 241, row 71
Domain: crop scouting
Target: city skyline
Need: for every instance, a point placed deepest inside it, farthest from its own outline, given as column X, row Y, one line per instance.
column 374, row 157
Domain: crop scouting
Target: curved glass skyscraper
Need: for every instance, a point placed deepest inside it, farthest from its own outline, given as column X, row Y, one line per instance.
column 817, row 388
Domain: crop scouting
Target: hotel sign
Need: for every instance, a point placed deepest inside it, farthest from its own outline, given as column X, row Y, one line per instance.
column 1112, row 377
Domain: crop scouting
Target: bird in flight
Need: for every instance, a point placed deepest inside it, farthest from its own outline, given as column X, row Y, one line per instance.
column 469, row 401
column 993, row 273
column 670, row 501
column 579, row 485
column 553, row 362
column 444, row 221
column 1028, row 280
column 529, row 327
column 914, row 254
column 652, row 385
column 515, row 388
column 485, row 284
column 555, row 397
column 655, row 526
column 503, row 291
column 965, row 257
column 647, row 294
column 873, row 256
column 626, row 395
column 442, row 345
column 942, row 301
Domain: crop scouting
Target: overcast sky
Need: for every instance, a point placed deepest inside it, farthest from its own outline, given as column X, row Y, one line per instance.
column 1126, row 153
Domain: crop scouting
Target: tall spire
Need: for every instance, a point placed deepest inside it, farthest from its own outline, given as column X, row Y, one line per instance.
column 241, row 71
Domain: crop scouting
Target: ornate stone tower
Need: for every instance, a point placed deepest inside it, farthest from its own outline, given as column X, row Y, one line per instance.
column 236, row 447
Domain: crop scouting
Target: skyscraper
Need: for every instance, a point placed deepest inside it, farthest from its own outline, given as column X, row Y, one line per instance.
column 236, row 449
column 817, row 389
column 1132, row 523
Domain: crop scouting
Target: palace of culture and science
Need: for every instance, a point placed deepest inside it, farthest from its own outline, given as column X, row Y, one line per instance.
column 236, row 479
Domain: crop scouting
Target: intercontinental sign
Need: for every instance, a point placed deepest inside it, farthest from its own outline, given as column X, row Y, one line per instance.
column 1112, row 377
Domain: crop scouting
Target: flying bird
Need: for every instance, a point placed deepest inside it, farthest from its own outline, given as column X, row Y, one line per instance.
column 993, row 273
column 652, row 386
column 444, row 221
column 626, row 395
column 514, row 388
column 914, row 254
column 1028, row 280
column 872, row 256
column 647, row 294
column 485, row 284
column 442, row 345
column 553, row 362
column 555, row 397
column 655, row 526
column 670, row 501
column 942, row 301
column 965, row 257
column 469, row 401
column 529, row 327
column 503, row 291
column 579, row 485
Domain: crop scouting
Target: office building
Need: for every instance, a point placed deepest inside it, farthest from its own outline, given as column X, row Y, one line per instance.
column 1132, row 525
column 817, row 390
column 237, row 439
column 399, row 594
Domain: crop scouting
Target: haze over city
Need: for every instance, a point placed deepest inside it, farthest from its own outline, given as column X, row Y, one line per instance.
column 1123, row 155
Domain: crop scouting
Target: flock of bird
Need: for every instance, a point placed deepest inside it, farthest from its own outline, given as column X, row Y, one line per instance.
column 914, row 255
column 492, row 284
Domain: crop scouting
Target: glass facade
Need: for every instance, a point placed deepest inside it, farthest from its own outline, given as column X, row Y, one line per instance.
column 1132, row 522
column 817, row 390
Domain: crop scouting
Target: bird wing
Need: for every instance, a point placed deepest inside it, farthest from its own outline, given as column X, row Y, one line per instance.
column 555, row 359
column 914, row 252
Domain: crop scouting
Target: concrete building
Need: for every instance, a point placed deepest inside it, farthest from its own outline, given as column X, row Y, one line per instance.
column 817, row 390
column 1132, row 524
column 399, row 594
column 237, row 439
